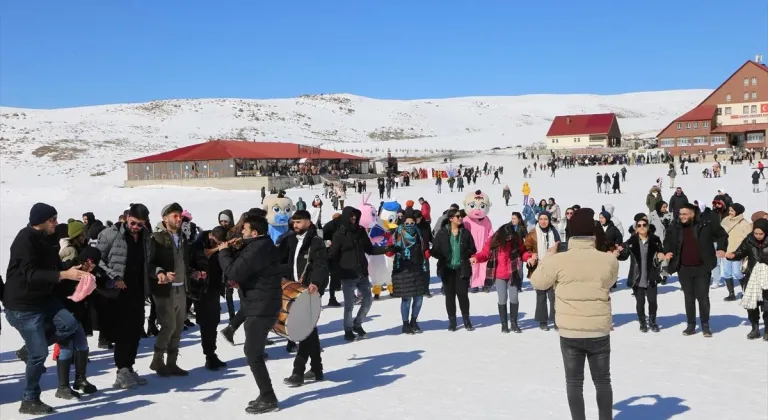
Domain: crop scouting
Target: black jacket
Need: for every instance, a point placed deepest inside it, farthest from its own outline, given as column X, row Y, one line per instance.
column 33, row 271
column 313, row 257
column 676, row 202
column 258, row 272
column 214, row 281
column 613, row 236
column 754, row 251
column 441, row 250
column 349, row 247
column 706, row 234
column 631, row 250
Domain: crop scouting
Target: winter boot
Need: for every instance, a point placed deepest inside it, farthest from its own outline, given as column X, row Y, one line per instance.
column 467, row 323
column 332, row 302
column 543, row 326
column 755, row 333
column 360, row 331
column 64, row 391
column 349, row 336
column 654, row 326
column 452, row 323
column 291, row 347
column 415, row 326
column 173, row 368
column 407, row 328
column 731, row 296
column 263, row 404
column 513, row 313
column 229, row 334
column 311, row 375
column 690, row 329
column 295, row 380
column 81, row 382
column 158, row 364
column 35, row 408
column 643, row 325
column 503, row 318
column 213, row 363
column 706, row 331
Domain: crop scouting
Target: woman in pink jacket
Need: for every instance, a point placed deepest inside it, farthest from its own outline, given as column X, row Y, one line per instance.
column 504, row 253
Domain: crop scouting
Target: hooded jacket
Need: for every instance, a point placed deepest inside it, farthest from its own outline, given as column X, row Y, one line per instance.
column 651, row 199
column 33, row 271
column 737, row 228
column 676, row 202
column 616, row 222
column 350, row 245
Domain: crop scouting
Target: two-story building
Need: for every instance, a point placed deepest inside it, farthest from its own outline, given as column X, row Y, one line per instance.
column 733, row 115
column 584, row 132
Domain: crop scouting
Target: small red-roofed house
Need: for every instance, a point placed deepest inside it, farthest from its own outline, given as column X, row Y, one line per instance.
column 584, row 131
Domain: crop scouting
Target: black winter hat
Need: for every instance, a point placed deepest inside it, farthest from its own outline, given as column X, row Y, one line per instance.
column 761, row 224
column 41, row 213
column 582, row 223
column 738, row 208
column 301, row 215
column 640, row 216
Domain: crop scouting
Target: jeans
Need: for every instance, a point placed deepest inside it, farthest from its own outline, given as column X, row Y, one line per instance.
column 348, row 287
column 597, row 351
column 31, row 327
column 732, row 270
column 256, row 331
column 171, row 314
column 695, row 284
column 541, row 305
column 455, row 287
column 718, row 272
column 405, row 307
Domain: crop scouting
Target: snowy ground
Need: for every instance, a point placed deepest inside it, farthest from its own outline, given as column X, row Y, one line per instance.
column 461, row 375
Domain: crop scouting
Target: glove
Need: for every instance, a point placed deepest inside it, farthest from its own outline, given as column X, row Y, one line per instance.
column 427, row 254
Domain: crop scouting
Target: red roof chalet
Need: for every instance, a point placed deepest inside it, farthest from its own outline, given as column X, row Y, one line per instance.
column 236, row 149
column 588, row 124
column 700, row 113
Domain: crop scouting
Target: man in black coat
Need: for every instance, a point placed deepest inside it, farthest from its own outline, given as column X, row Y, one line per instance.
column 348, row 251
column 688, row 248
column 329, row 229
column 205, row 291
column 677, row 201
column 305, row 253
column 257, row 272
column 34, row 271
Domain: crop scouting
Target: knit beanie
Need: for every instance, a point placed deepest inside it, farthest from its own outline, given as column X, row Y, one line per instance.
column 582, row 223
column 606, row 215
column 409, row 203
column 41, row 213
column 761, row 224
column 187, row 215
column 172, row 208
column 75, row 228
column 738, row 208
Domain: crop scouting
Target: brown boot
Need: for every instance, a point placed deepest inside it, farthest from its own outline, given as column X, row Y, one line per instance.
column 173, row 368
column 158, row 364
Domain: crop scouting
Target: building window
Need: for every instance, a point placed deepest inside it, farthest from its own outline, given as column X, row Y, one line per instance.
column 727, row 110
column 667, row 143
column 746, row 96
column 745, row 109
column 698, row 141
column 719, row 111
column 754, row 95
column 695, row 126
column 706, row 124
column 755, row 137
column 753, row 109
column 683, row 141
column 746, row 81
column 687, row 126
column 754, row 81
column 718, row 140
column 754, row 121
column 728, row 98
column 679, row 126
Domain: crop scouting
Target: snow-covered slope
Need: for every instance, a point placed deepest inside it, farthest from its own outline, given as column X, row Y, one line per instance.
column 99, row 138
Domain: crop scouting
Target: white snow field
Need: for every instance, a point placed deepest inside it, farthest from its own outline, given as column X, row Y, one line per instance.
column 98, row 139
column 463, row 375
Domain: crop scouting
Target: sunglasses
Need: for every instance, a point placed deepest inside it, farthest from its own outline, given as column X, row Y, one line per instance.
column 134, row 224
column 642, row 225
column 569, row 213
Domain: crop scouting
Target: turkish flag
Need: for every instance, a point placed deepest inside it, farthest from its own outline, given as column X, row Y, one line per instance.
column 763, row 108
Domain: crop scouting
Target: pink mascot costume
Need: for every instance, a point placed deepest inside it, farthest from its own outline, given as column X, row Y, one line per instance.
column 476, row 205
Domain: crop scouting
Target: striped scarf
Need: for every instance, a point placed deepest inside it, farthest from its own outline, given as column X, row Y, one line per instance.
column 404, row 241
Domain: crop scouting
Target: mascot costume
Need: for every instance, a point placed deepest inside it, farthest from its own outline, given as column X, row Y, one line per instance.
column 476, row 205
column 380, row 228
column 279, row 211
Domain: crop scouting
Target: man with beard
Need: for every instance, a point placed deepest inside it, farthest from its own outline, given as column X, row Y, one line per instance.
column 257, row 272
column 205, row 290
column 305, row 253
column 688, row 248
column 170, row 258
column 125, row 253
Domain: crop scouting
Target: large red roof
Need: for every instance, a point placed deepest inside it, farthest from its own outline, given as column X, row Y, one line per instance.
column 572, row 125
column 236, row 149
column 700, row 113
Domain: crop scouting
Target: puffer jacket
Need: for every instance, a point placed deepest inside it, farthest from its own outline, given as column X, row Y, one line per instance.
column 737, row 229
column 651, row 199
column 582, row 278
column 754, row 251
column 114, row 252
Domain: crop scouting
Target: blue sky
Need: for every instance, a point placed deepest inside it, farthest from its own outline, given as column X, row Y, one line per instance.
column 84, row 52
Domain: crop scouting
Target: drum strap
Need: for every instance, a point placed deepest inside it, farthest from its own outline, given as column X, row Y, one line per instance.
column 304, row 271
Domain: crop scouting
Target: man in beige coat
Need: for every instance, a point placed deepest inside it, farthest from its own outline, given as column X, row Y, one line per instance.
column 582, row 278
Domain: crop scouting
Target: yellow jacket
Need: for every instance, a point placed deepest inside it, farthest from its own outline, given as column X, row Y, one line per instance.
column 526, row 189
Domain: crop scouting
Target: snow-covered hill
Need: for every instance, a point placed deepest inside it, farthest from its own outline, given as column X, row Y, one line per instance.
column 98, row 139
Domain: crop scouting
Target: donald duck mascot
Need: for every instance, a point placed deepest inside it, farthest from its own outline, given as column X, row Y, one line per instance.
column 380, row 227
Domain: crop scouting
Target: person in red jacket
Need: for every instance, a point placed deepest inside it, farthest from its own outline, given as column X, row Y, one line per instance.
column 426, row 210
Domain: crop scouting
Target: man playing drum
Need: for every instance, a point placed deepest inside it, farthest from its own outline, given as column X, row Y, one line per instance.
column 304, row 252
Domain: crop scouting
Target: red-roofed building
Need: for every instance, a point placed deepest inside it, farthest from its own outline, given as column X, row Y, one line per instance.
column 584, row 131
column 733, row 115
column 234, row 164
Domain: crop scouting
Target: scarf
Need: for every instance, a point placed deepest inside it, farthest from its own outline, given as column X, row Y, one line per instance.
column 544, row 240
column 758, row 281
column 404, row 239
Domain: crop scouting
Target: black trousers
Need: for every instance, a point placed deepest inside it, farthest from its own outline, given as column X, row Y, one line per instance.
column 256, row 330
column 641, row 294
column 754, row 314
column 597, row 351
column 695, row 284
column 335, row 284
column 128, row 329
column 455, row 286
column 230, row 302
column 309, row 349
column 208, row 316
column 541, row 305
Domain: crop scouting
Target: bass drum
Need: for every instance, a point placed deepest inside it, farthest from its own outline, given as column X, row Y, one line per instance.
column 299, row 314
